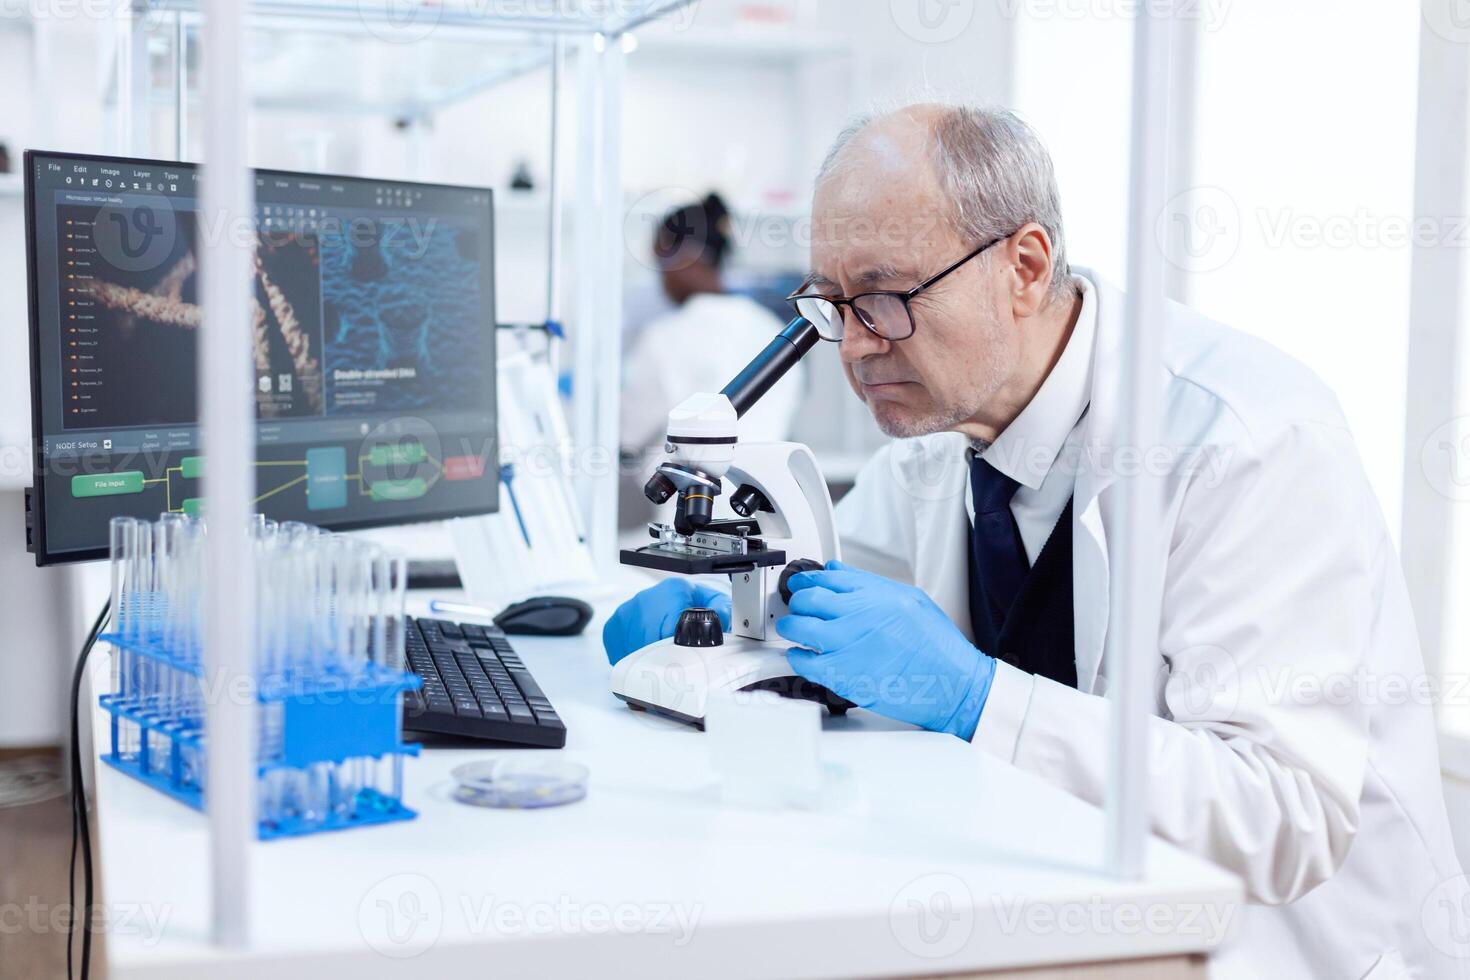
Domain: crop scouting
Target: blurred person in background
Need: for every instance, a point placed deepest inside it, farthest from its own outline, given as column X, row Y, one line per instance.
column 709, row 336
column 697, row 347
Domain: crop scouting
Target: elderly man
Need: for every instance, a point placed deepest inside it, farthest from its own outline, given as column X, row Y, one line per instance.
column 981, row 544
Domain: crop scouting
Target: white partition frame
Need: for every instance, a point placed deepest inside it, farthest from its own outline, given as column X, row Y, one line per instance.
column 1137, row 586
column 227, row 436
column 596, row 336
column 1437, row 308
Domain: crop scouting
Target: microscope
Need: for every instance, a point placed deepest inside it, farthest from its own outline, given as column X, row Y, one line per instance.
column 783, row 524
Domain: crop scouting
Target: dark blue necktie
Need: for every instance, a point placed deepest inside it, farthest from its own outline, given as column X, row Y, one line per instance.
column 997, row 558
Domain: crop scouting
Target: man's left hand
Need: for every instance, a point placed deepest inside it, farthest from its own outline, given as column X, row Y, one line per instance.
column 885, row 646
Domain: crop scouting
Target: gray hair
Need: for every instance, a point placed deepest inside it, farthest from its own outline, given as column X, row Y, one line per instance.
column 995, row 171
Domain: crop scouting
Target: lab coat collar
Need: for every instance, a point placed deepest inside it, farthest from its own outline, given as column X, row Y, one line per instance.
column 1101, row 437
column 1091, row 567
column 1027, row 448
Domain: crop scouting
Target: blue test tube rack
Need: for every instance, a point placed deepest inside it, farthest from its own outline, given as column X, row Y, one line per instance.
column 334, row 717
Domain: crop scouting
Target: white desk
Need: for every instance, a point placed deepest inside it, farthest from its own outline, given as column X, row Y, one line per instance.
column 933, row 860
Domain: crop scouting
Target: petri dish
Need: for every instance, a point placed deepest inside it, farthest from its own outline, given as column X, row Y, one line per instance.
column 520, row 784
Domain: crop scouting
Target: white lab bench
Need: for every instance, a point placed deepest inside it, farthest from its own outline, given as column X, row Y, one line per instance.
column 927, row 858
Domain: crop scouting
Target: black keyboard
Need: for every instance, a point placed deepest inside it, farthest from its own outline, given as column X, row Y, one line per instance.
column 476, row 685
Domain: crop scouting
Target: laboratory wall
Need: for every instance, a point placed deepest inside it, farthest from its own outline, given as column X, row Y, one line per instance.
column 54, row 70
column 1290, row 218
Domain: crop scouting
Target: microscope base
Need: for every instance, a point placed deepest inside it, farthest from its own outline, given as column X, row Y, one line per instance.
column 678, row 681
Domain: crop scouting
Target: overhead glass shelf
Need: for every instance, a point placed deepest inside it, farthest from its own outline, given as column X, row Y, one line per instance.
column 388, row 57
column 410, row 58
column 289, row 69
column 325, row 69
column 413, row 20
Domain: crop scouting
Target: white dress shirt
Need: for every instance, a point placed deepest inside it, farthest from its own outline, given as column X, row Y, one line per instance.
column 1050, row 426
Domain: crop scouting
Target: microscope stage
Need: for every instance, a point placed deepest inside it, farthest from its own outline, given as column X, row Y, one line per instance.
column 690, row 562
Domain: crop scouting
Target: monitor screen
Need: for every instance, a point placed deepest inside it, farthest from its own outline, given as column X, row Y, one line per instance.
column 372, row 336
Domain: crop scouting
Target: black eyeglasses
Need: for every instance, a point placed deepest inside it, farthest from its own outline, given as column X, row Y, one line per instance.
column 883, row 311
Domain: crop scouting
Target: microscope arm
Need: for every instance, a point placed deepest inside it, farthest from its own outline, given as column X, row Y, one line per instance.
column 702, row 431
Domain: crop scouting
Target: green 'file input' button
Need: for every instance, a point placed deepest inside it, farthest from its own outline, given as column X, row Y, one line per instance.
column 107, row 484
column 409, row 489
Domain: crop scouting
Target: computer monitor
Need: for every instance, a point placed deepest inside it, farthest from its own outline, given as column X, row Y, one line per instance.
column 373, row 336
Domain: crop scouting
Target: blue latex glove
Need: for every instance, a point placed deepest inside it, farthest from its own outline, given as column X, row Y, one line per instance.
column 652, row 614
column 885, row 646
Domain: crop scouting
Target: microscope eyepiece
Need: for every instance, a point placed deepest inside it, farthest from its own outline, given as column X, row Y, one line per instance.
column 771, row 364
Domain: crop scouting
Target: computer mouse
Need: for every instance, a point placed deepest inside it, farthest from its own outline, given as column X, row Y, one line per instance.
column 547, row 615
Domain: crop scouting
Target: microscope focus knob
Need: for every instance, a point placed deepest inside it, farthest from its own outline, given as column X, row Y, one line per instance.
column 800, row 565
column 699, row 626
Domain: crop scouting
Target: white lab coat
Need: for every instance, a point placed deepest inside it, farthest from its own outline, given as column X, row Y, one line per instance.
column 1279, row 580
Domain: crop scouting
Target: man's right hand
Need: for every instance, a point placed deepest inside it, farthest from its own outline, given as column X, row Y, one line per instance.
column 652, row 614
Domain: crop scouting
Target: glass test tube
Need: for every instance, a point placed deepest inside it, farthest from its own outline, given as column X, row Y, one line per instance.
column 392, row 570
column 356, row 607
column 123, row 538
column 141, row 621
column 170, row 696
